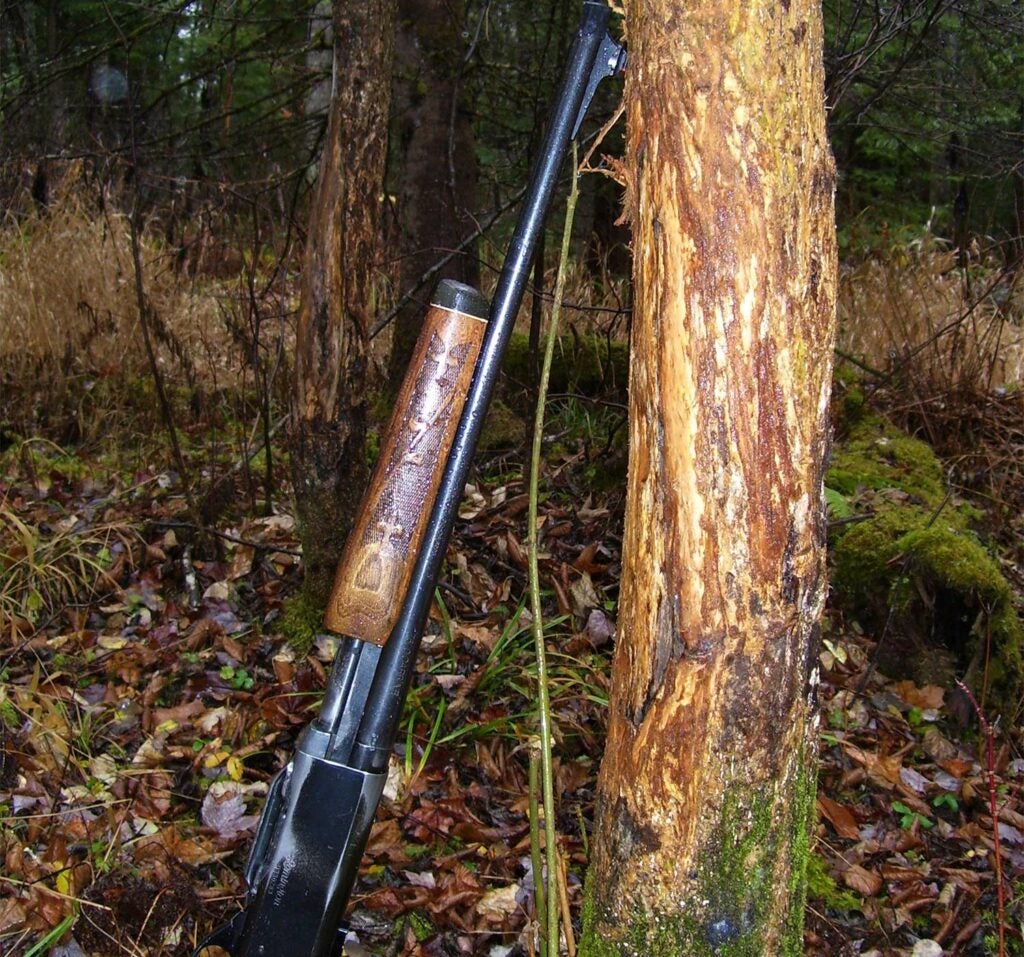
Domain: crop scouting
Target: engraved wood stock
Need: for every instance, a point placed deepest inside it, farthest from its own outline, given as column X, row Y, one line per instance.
column 370, row 582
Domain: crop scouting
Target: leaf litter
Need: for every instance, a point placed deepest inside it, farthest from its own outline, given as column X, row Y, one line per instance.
column 145, row 712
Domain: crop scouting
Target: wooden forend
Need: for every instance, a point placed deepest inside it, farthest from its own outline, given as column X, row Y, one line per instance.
column 370, row 582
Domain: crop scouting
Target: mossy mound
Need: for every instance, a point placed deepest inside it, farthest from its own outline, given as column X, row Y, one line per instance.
column 918, row 555
column 590, row 365
column 503, row 428
column 876, row 456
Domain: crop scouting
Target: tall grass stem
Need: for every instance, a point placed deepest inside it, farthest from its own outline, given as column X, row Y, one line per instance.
column 550, row 936
column 538, row 869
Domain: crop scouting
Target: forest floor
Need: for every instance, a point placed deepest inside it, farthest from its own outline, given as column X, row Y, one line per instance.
column 148, row 696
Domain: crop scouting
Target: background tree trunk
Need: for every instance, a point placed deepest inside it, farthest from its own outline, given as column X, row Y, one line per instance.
column 320, row 64
column 343, row 254
column 707, row 785
column 437, row 195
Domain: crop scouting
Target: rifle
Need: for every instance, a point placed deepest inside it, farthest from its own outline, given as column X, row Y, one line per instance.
column 320, row 806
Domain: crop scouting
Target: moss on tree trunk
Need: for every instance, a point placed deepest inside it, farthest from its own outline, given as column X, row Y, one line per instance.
column 737, row 876
column 707, row 784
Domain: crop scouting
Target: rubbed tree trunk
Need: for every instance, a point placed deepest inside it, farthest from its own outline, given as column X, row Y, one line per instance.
column 343, row 254
column 707, row 784
column 438, row 172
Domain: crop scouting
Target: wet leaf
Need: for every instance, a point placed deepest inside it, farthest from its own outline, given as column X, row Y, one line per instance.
column 12, row 916
column 223, row 810
column 420, row 878
column 930, row 696
column 1010, row 834
column 497, row 905
column 884, row 770
column 914, row 780
column 839, row 817
column 864, row 882
column 218, row 591
column 600, row 628
column 584, row 596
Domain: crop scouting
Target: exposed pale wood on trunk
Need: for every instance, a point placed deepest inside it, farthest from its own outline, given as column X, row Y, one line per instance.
column 343, row 256
column 707, row 780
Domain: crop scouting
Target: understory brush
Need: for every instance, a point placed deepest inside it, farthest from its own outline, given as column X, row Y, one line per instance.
column 73, row 361
column 916, row 314
column 936, row 342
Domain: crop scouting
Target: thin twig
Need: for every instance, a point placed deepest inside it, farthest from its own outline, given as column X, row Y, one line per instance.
column 599, row 139
column 140, row 296
column 227, row 537
column 860, row 364
column 382, row 321
column 251, row 451
column 454, row 103
column 990, row 778
column 37, row 883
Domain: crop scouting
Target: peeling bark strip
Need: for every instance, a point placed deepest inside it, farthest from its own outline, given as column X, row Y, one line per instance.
column 342, row 255
column 707, row 783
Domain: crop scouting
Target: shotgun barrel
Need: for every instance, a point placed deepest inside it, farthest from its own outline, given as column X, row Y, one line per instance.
column 318, row 814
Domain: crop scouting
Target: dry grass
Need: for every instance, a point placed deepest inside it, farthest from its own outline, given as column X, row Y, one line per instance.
column 914, row 312
column 71, row 317
column 52, row 558
column 46, row 568
column 595, row 304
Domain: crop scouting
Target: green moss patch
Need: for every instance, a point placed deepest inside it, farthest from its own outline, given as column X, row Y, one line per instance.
column 823, row 889
column 876, row 456
column 730, row 911
column 300, row 621
column 591, row 365
column 849, row 404
column 918, row 555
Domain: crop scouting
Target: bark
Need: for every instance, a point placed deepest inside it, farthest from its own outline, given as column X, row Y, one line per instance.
column 437, row 195
column 320, row 64
column 707, row 783
column 343, row 254
column 1017, row 244
column 29, row 31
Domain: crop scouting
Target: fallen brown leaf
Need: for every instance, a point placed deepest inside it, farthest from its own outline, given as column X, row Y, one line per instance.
column 840, row 817
column 861, row 880
column 497, row 905
column 930, row 696
column 12, row 916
